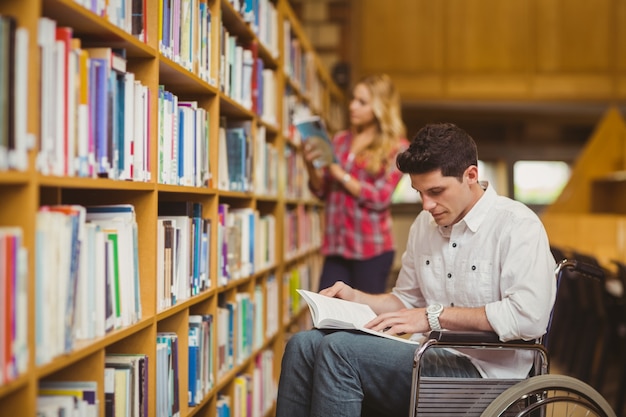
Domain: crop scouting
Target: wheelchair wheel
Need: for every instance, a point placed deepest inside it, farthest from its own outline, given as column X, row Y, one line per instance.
column 549, row 395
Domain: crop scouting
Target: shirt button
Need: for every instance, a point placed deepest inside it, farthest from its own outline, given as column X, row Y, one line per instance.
column 454, row 245
column 449, row 275
column 427, row 262
column 473, row 267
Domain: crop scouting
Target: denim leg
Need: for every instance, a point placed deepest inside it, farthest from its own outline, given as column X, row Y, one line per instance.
column 337, row 373
column 354, row 368
column 296, row 377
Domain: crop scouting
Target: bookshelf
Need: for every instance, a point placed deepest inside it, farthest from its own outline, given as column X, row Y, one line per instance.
column 183, row 107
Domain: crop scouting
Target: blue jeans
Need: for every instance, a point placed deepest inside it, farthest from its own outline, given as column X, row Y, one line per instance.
column 344, row 373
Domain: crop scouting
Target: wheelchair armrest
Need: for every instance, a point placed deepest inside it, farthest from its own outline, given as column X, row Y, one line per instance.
column 472, row 337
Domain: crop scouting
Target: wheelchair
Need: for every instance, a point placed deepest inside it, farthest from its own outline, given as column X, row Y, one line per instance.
column 541, row 394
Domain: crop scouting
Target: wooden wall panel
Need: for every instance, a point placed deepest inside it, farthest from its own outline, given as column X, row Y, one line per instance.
column 619, row 35
column 400, row 36
column 536, row 50
column 573, row 35
column 488, row 35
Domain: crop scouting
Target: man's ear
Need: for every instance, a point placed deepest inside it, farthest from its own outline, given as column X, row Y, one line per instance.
column 471, row 173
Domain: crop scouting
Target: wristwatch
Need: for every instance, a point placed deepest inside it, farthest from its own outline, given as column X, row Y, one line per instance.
column 433, row 312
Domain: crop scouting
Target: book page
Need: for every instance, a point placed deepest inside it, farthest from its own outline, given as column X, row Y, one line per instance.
column 335, row 313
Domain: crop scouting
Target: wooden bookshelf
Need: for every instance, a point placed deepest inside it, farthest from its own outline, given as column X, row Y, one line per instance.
column 293, row 216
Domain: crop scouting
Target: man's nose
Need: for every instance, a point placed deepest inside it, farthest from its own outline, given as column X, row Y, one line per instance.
column 428, row 203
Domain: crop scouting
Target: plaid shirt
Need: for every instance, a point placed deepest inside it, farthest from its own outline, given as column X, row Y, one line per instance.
column 358, row 227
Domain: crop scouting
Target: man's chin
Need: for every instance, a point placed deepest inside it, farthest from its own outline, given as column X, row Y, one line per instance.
column 440, row 219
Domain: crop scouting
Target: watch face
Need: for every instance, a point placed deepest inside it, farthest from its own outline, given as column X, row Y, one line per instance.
column 434, row 308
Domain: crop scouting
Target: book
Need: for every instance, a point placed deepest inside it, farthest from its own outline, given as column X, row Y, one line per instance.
column 137, row 365
column 312, row 129
column 335, row 313
column 84, row 394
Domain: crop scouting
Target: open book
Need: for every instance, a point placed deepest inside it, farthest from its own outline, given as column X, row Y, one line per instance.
column 312, row 129
column 335, row 313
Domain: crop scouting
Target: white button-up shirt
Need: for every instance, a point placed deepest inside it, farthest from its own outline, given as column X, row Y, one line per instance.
column 497, row 256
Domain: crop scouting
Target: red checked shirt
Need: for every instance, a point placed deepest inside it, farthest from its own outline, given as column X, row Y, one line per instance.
column 358, row 227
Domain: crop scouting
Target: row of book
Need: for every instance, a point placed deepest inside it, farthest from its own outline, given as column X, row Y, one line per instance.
column 184, row 31
column 67, row 398
column 94, row 113
column 93, row 251
column 265, row 163
column 235, row 142
column 183, row 152
column 249, row 163
column 125, row 391
column 201, row 368
column 129, row 15
column 14, row 138
column 86, row 275
column 126, row 379
column 242, row 326
column 301, row 68
column 253, row 393
column 296, row 177
column 302, row 231
column 167, row 378
column 262, row 17
column 245, row 78
column 303, row 276
column 126, row 382
column 272, row 303
column 13, row 304
column 183, row 252
column 246, row 242
column 241, row 70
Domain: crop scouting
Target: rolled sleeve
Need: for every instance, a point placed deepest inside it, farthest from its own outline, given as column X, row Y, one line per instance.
column 527, row 285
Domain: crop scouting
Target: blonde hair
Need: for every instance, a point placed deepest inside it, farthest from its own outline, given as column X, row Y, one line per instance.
column 387, row 111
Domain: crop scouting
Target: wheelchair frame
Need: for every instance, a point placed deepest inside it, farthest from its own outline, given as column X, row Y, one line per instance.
column 491, row 397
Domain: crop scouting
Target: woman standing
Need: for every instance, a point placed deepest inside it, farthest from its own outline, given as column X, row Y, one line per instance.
column 358, row 243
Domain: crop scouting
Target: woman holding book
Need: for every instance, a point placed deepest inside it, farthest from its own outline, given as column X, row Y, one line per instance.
column 357, row 186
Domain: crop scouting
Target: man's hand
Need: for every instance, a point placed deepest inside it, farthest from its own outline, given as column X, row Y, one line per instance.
column 406, row 320
column 341, row 290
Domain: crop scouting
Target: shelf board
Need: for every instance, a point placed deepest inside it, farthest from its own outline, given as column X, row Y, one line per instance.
column 181, row 81
column 93, row 183
column 92, row 29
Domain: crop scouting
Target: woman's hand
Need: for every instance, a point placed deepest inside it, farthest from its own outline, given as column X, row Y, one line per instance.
column 406, row 320
column 318, row 152
column 310, row 152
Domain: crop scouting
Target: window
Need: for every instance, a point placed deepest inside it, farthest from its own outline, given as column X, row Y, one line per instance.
column 404, row 193
column 539, row 182
column 488, row 171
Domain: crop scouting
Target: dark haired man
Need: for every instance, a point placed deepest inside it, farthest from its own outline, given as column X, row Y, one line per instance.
column 474, row 260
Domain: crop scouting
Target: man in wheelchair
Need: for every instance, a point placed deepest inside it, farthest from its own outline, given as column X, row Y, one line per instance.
column 474, row 260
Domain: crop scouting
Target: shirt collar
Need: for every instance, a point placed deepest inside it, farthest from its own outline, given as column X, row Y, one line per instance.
column 477, row 214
